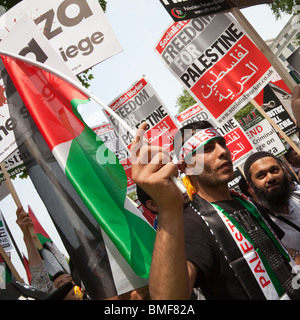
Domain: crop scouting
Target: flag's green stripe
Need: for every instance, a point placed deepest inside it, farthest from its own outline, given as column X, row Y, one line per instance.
column 43, row 239
column 7, row 275
column 103, row 189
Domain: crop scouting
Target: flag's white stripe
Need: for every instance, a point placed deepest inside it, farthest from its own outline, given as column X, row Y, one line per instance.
column 61, row 153
column 125, row 278
column 129, row 205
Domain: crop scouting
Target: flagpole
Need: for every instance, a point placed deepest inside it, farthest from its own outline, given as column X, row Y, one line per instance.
column 14, row 194
column 88, row 93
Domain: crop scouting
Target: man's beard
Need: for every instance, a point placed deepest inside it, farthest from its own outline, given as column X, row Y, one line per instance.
column 274, row 199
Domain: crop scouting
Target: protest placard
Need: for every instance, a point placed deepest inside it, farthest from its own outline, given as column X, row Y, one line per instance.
column 237, row 142
column 189, row 9
column 4, row 237
column 78, row 31
column 259, row 131
column 12, row 108
column 14, row 165
column 192, row 114
column 275, row 100
column 141, row 103
column 294, row 61
column 216, row 62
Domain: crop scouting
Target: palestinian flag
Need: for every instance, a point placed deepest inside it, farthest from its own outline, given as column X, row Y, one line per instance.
column 27, row 269
column 39, row 230
column 54, row 105
column 5, row 273
column 53, row 258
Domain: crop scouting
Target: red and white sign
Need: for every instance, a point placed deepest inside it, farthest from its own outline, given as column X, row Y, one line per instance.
column 141, row 103
column 236, row 138
column 192, row 114
column 239, row 146
column 217, row 63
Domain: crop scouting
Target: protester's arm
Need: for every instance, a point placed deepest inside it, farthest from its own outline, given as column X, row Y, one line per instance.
column 24, row 221
column 169, row 274
column 296, row 104
column 39, row 274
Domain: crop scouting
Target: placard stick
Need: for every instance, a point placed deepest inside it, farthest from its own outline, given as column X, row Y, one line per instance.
column 14, row 194
column 275, row 126
column 264, row 48
column 10, row 265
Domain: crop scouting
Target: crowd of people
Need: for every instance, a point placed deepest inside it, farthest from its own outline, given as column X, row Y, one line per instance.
column 211, row 243
column 229, row 245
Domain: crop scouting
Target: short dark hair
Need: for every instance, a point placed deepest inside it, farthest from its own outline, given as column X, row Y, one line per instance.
column 254, row 157
column 58, row 274
column 244, row 186
column 178, row 141
column 142, row 195
column 288, row 153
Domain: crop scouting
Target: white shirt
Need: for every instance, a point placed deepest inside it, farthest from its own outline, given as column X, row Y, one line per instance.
column 291, row 238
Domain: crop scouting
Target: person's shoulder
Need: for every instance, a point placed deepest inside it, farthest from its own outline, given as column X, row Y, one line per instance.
column 192, row 218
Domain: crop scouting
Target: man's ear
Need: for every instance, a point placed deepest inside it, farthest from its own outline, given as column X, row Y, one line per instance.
column 151, row 205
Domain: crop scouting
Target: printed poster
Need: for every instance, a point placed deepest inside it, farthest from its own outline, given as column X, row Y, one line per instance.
column 259, row 131
column 275, row 99
column 190, row 9
column 216, row 62
column 237, row 141
column 4, row 237
column 78, row 31
column 141, row 103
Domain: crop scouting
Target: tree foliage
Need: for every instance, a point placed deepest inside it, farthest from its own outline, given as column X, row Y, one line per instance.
column 280, row 7
column 184, row 101
column 7, row 4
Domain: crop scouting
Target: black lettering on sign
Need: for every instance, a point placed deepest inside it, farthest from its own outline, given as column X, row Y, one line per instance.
column 62, row 16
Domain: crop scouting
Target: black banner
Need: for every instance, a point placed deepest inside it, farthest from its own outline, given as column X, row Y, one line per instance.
column 189, row 9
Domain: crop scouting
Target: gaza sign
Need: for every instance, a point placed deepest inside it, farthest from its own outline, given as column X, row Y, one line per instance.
column 77, row 29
